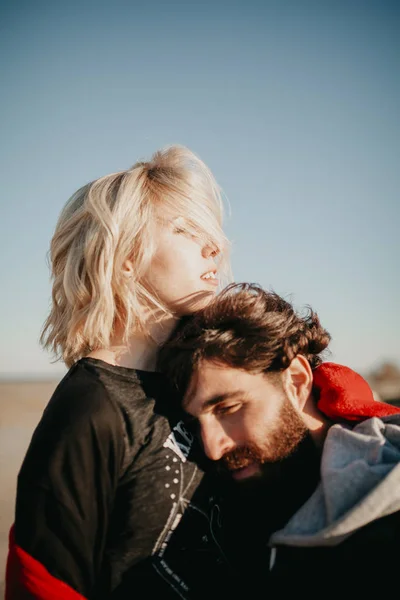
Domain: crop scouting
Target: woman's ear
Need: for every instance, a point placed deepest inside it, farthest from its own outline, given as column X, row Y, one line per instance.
column 298, row 381
column 127, row 268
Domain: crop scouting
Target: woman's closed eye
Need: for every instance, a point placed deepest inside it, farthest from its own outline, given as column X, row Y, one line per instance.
column 179, row 230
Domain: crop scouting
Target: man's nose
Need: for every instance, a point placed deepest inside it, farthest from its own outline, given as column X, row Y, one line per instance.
column 215, row 441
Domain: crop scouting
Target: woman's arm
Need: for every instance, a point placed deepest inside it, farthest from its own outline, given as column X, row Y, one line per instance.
column 66, row 486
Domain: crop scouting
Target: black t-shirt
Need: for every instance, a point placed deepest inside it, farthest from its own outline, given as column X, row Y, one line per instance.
column 111, row 498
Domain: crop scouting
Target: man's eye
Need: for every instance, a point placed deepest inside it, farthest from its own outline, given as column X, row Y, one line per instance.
column 179, row 230
column 228, row 409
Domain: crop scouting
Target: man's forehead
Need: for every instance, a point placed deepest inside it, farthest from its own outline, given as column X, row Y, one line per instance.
column 194, row 392
column 212, row 383
column 208, row 374
column 205, row 382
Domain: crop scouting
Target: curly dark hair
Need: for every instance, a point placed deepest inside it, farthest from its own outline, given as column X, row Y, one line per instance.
column 244, row 327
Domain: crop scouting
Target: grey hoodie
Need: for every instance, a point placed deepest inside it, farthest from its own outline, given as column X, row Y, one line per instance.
column 360, row 482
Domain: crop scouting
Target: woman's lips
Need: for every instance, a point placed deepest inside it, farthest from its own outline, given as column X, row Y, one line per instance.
column 212, row 280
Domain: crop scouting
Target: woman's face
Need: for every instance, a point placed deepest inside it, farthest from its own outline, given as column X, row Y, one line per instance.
column 183, row 272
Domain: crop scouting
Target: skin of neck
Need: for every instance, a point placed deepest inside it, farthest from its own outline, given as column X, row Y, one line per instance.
column 140, row 351
column 297, row 381
column 317, row 423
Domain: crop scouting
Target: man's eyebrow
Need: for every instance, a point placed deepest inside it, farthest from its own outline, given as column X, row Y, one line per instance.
column 216, row 399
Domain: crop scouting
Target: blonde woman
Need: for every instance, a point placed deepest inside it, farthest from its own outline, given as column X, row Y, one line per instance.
column 110, row 501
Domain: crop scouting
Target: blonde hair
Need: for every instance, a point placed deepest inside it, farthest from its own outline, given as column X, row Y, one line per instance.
column 110, row 220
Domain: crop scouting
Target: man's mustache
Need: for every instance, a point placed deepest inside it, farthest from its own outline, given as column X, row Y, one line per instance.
column 240, row 457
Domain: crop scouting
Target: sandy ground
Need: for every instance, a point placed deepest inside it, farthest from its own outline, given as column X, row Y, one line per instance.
column 21, row 406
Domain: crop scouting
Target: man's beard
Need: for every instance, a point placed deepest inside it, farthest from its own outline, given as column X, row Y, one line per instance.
column 281, row 441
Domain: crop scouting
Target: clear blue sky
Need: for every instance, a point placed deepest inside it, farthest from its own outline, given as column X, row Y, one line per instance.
column 294, row 104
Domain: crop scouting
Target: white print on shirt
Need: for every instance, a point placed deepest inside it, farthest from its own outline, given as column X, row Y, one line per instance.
column 179, row 441
column 182, row 587
column 161, row 565
column 179, row 502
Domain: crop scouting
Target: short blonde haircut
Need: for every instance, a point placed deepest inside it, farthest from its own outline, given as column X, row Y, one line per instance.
column 110, row 220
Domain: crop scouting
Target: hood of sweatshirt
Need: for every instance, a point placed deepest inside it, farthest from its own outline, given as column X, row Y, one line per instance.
column 360, row 482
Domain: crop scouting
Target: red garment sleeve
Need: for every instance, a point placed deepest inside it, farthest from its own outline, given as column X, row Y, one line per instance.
column 67, row 482
column 343, row 394
column 28, row 579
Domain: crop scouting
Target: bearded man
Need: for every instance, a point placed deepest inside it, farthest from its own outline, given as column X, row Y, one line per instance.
column 310, row 459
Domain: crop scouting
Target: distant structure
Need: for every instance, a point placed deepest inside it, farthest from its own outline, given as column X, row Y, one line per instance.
column 385, row 383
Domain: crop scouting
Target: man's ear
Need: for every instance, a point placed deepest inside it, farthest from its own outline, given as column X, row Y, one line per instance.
column 298, row 381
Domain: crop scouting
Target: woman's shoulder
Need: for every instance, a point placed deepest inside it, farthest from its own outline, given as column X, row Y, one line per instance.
column 101, row 395
column 97, row 383
column 85, row 404
column 80, row 393
column 79, row 419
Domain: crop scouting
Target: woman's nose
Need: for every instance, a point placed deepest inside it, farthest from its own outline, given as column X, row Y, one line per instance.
column 210, row 250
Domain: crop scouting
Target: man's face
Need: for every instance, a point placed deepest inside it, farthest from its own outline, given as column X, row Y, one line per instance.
column 245, row 419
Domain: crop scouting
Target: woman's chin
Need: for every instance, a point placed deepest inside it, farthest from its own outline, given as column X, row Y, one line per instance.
column 194, row 302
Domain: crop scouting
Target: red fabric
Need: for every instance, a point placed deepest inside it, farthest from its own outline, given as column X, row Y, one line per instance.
column 345, row 395
column 28, row 579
